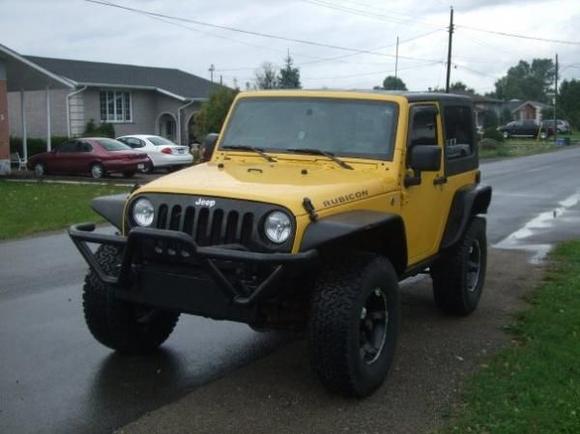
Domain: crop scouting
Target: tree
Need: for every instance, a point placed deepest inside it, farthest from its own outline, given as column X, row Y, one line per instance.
column 527, row 81
column 460, row 87
column 266, row 77
column 569, row 102
column 289, row 76
column 394, row 83
column 211, row 116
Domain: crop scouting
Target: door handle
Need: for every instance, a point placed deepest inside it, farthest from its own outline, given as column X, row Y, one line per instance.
column 439, row 180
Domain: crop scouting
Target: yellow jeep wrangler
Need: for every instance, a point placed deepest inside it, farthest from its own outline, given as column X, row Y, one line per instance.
column 312, row 208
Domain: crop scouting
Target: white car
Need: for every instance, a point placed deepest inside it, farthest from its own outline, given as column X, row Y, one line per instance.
column 161, row 151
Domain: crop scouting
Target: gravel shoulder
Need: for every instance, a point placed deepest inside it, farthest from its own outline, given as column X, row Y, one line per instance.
column 280, row 394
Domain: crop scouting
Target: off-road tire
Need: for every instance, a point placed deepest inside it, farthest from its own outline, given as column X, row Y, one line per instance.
column 451, row 288
column 115, row 323
column 334, row 330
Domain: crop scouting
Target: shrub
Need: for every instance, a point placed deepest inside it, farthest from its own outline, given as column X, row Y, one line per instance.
column 34, row 145
column 492, row 133
column 102, row 130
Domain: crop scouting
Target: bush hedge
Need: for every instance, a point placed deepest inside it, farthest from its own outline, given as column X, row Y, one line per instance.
column 34, row 145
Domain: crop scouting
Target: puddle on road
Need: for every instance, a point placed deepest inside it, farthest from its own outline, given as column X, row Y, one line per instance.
column 520, row 239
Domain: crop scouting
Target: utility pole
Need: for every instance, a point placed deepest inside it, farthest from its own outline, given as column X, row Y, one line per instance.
column 449, row 51
column 211, row 70
column 556, row 99
column 397, row 58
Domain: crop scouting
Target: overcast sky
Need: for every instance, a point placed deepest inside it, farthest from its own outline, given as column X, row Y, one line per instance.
column 76, row 29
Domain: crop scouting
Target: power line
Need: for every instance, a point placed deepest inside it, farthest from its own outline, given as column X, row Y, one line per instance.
column 360, row 12
column 519, row 36
column 249, row 32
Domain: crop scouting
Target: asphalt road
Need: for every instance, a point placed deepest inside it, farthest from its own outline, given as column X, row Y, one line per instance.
column 55, row 378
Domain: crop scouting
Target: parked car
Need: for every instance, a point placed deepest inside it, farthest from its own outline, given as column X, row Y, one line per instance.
column 525, row 128
column 96, row 156
column 162, row 152
column 563, row 126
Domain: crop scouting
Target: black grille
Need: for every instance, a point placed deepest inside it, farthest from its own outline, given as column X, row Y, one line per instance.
column 224, row 221
column 207, row 226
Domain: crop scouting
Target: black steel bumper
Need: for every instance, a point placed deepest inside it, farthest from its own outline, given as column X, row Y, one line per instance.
column 198, row 285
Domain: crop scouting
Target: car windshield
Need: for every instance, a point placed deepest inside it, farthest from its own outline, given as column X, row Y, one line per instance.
column 113, row 145
column 160, row 141
column 342, row 127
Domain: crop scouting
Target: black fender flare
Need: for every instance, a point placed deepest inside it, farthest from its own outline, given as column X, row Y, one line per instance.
column 379, row 232
column 467, row 202
column 111, row 208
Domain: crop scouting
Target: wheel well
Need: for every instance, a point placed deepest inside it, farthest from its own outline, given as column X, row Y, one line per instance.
column 388, row 240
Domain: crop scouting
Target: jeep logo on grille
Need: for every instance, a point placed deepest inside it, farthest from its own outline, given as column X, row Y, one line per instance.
column 204, row 202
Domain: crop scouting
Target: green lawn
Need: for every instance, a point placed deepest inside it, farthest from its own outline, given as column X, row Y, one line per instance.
column 30, row 207
column 534, row 386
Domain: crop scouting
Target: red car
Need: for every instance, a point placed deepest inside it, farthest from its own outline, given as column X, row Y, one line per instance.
column 96, row 156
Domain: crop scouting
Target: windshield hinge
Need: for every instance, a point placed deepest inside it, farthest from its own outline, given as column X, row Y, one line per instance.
column 307, row 204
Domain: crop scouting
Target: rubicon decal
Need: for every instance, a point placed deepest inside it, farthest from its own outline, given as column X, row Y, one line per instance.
column 349, row 197
column 204, row 202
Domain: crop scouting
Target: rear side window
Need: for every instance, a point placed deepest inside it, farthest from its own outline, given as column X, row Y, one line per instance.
column 458, row 132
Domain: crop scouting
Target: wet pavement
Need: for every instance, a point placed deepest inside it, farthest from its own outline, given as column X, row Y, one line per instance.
column 55, row 378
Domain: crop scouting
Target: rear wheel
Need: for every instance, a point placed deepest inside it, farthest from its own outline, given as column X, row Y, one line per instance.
column 39, row 170
column 125, row 327
column 97, row 171
column 459, row 275
column 129, row 174
column 354, row 325
column 506, row 135
column 543, row 135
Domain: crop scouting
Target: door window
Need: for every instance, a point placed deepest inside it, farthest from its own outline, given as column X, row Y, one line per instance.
column 424, row 126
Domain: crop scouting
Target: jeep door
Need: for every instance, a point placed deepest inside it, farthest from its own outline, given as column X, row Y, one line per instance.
column 426, row 202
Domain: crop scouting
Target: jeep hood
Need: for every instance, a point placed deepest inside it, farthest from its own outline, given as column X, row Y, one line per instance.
column 283, row 184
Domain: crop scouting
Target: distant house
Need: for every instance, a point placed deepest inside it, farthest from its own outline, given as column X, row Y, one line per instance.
column 527, row 110
column 135, row 99
column 483, row 105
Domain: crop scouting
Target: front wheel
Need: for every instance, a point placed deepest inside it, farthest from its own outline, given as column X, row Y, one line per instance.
column 354, row 325
column 459, row 274
column 506, row 135
column 125, row 327
column 129, row 174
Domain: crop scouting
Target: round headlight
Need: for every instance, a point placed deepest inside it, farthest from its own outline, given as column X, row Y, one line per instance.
column 278, row 227
column 143, row 212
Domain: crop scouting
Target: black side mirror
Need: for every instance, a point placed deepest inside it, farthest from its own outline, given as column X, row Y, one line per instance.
column 422, row 158
column 208, row 146
column 425, row 158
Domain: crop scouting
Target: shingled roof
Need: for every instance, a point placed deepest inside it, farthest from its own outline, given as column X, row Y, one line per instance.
column 166, row 80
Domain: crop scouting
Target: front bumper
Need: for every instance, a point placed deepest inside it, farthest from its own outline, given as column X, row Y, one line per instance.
column 196, row 282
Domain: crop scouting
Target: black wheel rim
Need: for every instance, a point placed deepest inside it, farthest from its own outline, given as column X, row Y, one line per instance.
column 374, row 319
column 473, row 266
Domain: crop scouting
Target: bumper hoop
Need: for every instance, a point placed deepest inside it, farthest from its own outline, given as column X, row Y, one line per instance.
column 83, row 234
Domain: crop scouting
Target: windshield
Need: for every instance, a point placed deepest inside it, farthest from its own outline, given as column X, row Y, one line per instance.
column 160, row 141
column 342, row 127
column 113, row 145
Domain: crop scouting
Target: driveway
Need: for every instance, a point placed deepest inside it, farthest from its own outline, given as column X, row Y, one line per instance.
column 56, row 378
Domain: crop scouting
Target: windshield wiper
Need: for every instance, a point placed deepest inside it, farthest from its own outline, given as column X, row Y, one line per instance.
column 327, row 154
column 259, row 151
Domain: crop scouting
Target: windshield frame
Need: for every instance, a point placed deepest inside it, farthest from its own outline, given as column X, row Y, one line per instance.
column 387, row 156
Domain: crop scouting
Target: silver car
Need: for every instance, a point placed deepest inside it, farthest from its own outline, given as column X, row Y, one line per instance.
column 162, row 152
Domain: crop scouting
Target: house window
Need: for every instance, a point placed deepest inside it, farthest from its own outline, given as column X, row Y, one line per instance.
column 115, row 106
